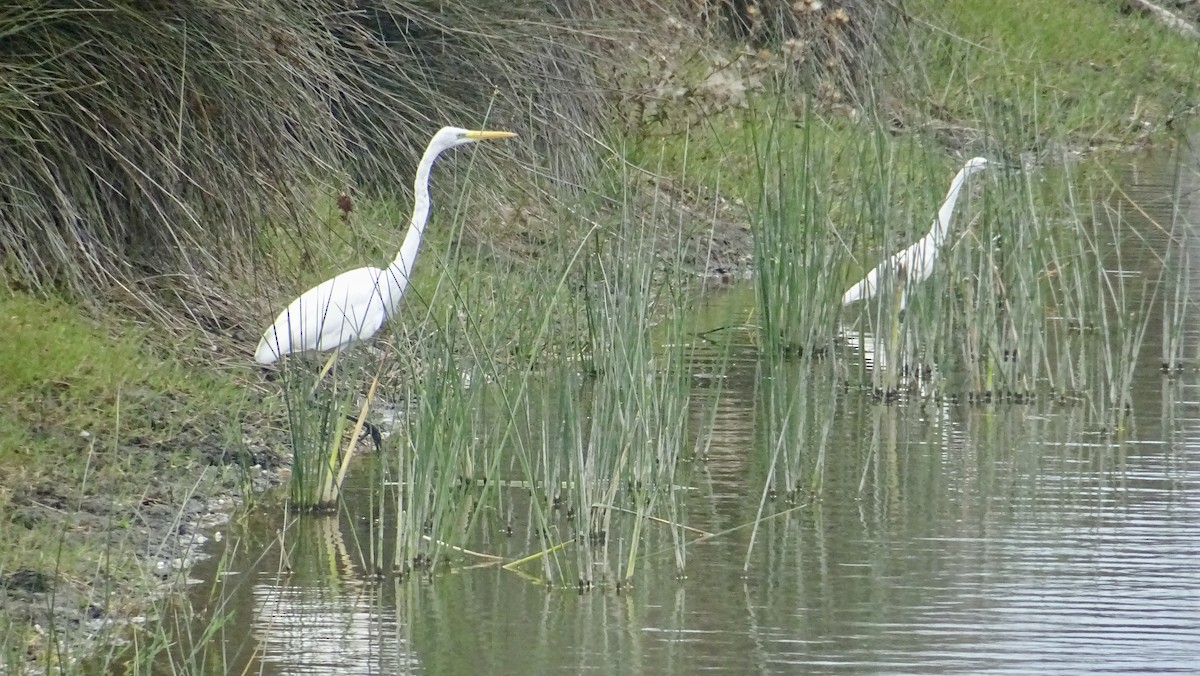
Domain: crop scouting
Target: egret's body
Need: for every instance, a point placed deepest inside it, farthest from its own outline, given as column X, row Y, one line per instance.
column 333, row 314
column 914, row 264
column 354, row 305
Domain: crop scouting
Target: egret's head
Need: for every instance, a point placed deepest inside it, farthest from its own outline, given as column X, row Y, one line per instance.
column 449, row 137
column 975, row 165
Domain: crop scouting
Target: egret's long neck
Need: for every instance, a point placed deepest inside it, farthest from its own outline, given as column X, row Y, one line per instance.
column 941, row 225
column 416, row 227
column 402, row 267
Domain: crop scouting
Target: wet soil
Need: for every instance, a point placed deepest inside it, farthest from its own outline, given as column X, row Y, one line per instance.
column 147, row 532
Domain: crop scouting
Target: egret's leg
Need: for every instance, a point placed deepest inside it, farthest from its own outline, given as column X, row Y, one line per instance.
column 359, row 420
column 372, row 430
column 369, row 427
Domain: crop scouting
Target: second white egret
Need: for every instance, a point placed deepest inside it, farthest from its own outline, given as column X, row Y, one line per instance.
column 914, row 264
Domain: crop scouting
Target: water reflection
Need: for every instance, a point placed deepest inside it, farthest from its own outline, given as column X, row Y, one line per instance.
column 306, row 630
column 324, row 616
column 945, row 537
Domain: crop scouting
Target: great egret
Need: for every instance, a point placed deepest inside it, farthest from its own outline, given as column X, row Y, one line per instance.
column 353, row 305
column 914, row 264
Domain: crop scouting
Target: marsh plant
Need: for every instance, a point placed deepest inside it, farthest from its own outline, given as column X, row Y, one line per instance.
column 1102, row 291
column 1179, row 268
column 326, row 417
column 1033, row 293
column 992, row 317
column 636, row 426
column 796, row 409
column 1127, row 295
column 1176, row 303
column 437, row 466
column 797, row 406
column 894, row 207
column 796, row 252
column 1080, row 270
column 606, row 459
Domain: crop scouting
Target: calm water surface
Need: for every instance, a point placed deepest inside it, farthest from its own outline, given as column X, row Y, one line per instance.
column 947, row 538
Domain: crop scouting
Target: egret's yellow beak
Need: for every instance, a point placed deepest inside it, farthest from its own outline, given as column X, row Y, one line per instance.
column 485, row 135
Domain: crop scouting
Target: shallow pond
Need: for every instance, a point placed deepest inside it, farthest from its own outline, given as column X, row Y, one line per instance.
column 944, row 537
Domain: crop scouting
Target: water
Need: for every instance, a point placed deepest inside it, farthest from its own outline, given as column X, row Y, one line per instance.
column 945, row 538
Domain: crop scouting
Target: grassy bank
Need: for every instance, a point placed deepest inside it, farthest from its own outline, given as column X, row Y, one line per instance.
column 1033, row 77
column 116, row 439
column 119, row 429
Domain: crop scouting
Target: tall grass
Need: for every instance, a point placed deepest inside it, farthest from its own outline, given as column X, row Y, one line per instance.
column 1031, row 294
column 1101, row 292
column 325, row 419
column 148, row 141
column 1178, row 269
column 155, row 146
column 797, row 250
column 1178, row 266
column 438, row 470
column 1047, row 303
column 993, row 307
column 610, row 456
column 636, row 426
column 838, row 200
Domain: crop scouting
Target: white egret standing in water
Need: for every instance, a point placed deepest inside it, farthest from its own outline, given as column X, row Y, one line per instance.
column 913, row 265
column 354, row 305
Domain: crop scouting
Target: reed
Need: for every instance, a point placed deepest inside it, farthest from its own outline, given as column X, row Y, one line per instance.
column 1101, row 279
column 623, row 409
column 1178, row 301
column 994, row 313
column 796, row 251
column 638, row 418
column 901, row 331
column 1127, row 294
column 327, row 412
column 1178, row 271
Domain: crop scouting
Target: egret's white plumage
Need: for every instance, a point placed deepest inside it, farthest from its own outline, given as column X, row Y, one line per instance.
column 354, row 305
column 914, row 264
